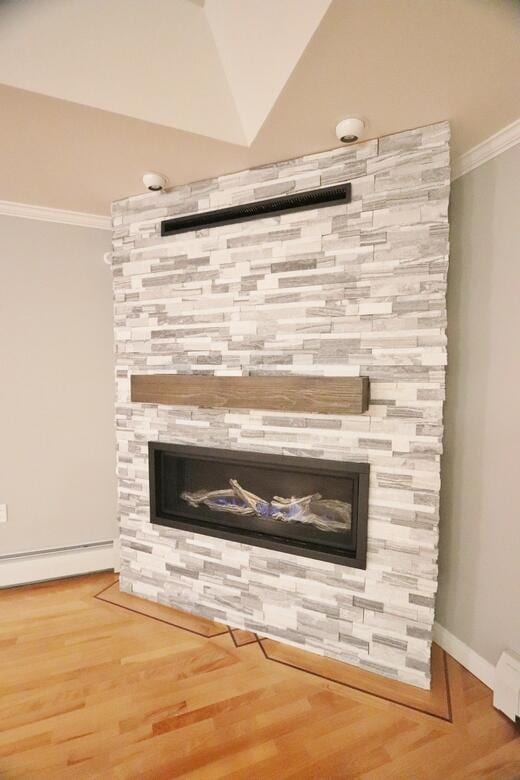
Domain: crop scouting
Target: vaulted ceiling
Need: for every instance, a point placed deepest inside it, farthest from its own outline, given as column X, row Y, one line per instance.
column 92, row 93
column 213, row 68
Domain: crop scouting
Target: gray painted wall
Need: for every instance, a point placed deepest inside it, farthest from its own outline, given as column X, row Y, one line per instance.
column 57, row 442
column 479, row 580
column 52, row 276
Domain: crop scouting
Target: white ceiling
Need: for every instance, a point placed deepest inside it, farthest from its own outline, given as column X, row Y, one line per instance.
column 259, row 44
column 150, row 59
column 95, row 92
column 214, row 68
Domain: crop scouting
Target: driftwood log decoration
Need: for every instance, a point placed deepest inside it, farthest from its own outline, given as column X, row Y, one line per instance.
column 325, row 514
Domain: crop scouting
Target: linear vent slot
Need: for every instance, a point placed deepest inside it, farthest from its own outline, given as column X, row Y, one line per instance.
column 312, row 199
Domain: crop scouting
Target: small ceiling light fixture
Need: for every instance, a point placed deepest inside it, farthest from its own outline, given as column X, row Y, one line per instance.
column 350, row 130
column 155, row 182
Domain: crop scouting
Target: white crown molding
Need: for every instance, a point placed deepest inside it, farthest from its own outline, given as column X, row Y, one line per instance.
column 10, row 209
column 462, row 653
column 493, row 146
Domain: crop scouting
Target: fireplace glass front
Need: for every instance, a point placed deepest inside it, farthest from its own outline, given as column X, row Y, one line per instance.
column 311, row 507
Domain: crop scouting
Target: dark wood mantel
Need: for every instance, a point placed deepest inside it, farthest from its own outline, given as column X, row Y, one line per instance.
column 322, row 395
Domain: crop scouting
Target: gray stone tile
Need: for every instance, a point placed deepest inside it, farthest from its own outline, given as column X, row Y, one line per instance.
column 356, row 289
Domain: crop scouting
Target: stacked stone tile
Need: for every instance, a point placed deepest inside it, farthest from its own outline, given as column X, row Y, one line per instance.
column 347, row 290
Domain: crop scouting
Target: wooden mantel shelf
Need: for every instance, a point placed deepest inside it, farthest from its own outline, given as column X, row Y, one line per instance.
column 322, row 395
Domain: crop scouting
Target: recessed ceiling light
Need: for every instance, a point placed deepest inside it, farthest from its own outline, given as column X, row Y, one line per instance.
column 350, row 130
column 155, row 182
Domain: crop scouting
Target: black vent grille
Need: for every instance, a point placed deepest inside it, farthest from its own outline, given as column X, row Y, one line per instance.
column 312, row 199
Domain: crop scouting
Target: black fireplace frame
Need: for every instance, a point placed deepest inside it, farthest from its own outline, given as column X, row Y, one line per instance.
column 357, row 472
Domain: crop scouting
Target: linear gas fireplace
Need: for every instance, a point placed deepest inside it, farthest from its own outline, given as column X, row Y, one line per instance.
column 306, row 506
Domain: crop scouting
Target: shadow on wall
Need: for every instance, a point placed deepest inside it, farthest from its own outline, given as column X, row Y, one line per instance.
column 479, row 539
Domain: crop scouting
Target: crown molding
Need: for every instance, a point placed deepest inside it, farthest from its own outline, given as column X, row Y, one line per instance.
column 493, row 146
column 10, row 209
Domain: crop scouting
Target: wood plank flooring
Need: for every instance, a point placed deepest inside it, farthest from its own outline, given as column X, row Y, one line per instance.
column 89, row 689
column 435, row 702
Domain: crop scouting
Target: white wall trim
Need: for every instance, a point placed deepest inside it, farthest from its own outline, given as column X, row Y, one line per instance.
column 39, row 565
column 493, row 146
column 10, row 209
column 462, row 653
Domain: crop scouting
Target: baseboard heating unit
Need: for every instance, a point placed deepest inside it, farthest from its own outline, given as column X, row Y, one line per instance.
column 28, row 566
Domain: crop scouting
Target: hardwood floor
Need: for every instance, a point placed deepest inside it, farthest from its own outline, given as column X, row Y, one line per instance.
column 89, row 689
column 435, row 702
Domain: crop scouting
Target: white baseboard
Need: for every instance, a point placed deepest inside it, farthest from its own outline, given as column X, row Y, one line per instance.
column 40, row 565
column 37, row 566
column 471, row 660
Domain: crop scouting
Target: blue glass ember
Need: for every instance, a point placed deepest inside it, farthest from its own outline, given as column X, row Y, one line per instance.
column 325, row 514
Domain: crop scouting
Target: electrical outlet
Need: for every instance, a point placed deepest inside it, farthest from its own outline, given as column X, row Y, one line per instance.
column 3, row 513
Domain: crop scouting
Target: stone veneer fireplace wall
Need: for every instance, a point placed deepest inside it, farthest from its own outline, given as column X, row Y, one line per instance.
column 347, row 290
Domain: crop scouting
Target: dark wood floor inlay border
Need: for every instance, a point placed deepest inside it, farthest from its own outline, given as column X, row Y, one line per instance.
column 148, row 606
column 244, row 638
column 239, row 640
column 448, row 717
